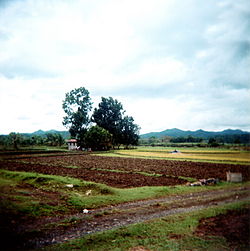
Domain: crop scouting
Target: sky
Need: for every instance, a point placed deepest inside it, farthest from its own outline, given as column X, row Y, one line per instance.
column 171, row 63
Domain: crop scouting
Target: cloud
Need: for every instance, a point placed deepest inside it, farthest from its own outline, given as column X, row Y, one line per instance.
column 23, row 118
column 171, row 63
column 227, row 56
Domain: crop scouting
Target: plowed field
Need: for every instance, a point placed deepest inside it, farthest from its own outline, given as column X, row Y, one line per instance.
column 122, row 172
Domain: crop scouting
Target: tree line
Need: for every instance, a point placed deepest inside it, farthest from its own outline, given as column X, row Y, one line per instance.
column 107, row 127
column 16, row 140
column 199, row 141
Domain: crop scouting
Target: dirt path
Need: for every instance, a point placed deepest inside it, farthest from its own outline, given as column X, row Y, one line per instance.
column 61, row 229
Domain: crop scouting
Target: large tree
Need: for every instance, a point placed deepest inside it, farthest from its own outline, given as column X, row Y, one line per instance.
column 130, row 132
column 77, row 105
column 108, row 115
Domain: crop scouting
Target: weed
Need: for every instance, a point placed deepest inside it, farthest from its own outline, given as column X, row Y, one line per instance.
column 100, row 214
column 71, row 166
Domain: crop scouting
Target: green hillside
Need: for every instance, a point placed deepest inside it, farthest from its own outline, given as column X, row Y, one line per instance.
column 227, row 136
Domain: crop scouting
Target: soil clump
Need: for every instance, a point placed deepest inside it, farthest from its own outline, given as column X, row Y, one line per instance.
column 234, row 226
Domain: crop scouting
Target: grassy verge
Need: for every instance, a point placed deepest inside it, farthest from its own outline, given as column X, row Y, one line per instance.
column 34, row 194
column 38, row 194
column 168, row 233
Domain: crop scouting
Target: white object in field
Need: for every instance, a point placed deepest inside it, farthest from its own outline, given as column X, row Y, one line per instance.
column 88, row 192
column 85, row 211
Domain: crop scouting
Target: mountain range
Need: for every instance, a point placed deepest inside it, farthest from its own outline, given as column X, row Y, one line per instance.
column 175, row 132
column 65, row 134
column 199, row 133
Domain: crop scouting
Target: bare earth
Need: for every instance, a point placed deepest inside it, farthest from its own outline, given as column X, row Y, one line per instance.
column 19, row 234
column 98, row 169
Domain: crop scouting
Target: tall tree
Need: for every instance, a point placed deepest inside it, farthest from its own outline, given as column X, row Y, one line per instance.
column 108, row 115
column 130, row 132
column 77, row 105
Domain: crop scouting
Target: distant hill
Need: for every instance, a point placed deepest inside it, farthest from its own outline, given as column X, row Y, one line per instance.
column 65, row 134
column 199, row 133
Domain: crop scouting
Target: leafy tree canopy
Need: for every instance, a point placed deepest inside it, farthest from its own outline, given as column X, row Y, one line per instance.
column 98, row 138
column 130, row 131
column 112, row 127
column 108, row 115
column 54, row 139
column 77, row 105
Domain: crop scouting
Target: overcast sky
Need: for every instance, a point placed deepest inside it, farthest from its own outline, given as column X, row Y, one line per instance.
column 171, row 63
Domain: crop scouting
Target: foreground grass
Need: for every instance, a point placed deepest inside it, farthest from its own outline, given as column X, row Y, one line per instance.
column 192, row 154
column 168, row 233
column 36, row 194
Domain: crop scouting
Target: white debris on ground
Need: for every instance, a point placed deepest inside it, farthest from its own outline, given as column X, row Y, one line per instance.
column 69, row 185
column 88, row 192
column 85, row 211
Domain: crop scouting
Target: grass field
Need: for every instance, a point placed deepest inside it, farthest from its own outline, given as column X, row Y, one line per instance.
column 193, row 154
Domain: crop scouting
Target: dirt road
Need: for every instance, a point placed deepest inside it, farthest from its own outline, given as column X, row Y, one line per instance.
column 60, row 229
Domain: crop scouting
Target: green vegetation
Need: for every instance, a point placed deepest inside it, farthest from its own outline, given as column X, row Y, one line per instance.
column 111, row 127
column 72, row 167
column 24, row 192
column 77, row 105
column 98, row 138
column 168, row 233
column 17, row 141
column 31, row 193
column 110, row 116
column 200, row 138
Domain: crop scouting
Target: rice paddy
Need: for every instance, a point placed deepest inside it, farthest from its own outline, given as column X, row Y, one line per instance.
column 191, row 154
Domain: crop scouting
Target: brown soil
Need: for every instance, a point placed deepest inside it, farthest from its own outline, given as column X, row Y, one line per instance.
column 234, row 226
column 96, row 168
column 22, row 233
